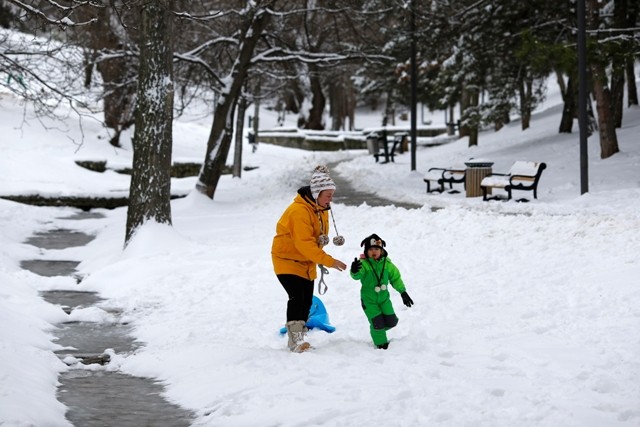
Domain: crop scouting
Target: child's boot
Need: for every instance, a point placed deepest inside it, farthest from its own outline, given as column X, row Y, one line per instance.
column 297, row 336
column 379, row 337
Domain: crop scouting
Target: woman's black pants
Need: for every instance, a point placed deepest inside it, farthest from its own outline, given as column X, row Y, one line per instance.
column 300, row 291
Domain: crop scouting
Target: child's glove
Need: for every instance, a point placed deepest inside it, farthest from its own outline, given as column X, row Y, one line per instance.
column 356, row 265
column 406, row 299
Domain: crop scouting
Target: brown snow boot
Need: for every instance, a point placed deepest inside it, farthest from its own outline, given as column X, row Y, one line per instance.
column 296, row 331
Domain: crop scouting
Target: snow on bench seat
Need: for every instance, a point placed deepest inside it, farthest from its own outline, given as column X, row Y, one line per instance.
column 523, row 175
column 442, row 176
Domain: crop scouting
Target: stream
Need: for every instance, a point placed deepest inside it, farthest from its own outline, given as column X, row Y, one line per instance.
column 98, row 397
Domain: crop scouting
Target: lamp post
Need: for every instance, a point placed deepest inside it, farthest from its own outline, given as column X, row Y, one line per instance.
column 414, row 87
column 582, row 98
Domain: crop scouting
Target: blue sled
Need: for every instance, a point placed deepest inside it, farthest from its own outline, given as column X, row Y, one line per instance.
column 318, row 317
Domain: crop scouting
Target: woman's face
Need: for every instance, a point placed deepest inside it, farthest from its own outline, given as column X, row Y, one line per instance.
column 325, row 197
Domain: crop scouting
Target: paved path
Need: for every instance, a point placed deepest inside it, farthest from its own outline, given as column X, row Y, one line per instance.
column 348, row 195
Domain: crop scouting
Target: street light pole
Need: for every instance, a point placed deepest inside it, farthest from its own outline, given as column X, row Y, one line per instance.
column 582, row 97
column 414, row 87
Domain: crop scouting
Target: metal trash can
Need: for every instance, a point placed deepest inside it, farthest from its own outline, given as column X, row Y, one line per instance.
column 474, row 174
column 372, row 143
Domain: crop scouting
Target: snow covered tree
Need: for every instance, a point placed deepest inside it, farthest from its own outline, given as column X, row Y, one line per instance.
column 256, row 45
column 150, row 189
column 40, row 67
column 255, row 19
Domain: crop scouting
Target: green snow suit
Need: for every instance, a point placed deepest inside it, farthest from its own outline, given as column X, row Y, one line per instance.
column 375, row 277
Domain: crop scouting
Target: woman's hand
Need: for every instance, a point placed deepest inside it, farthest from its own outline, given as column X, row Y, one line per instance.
column 339, row 265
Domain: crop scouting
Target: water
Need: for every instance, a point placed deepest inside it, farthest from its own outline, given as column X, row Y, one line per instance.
column 69, row 300
column 59, row 239
column 101, row 399
column 97, row 397
column 49, row 268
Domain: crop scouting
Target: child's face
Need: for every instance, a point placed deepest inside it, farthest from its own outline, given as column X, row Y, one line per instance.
column 374, row 253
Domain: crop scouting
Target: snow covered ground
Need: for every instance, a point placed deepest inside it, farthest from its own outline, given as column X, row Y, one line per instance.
column 526, row 314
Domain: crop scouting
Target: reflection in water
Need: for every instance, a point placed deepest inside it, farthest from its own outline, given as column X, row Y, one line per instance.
column 102, row 398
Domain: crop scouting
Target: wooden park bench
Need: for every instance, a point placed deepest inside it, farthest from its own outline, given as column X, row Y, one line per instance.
column 522, row 176
column 441, row 176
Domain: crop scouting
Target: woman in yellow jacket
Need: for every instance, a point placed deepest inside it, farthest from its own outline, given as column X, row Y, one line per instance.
column 301, row 232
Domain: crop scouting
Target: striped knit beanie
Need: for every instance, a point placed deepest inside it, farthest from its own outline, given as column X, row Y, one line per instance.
column 320, row 180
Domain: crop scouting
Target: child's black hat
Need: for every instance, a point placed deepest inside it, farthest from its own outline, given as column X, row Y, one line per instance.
column 373, row 241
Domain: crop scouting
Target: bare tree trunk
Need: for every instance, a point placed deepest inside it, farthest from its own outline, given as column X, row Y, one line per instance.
column 351, row 105
column 150, row 190
column 237, row 153
column 119, row 97
column 633, row 7
column 6, row 17
column 89, row 57
column 293, row 93
column 256, row 108
column 318, row 101
column 526, row 92
column 465, row 102
column 592, row 124
column 618, row 63
column 475, row 127
column 602, row 94
column 222, row 128
column 470, row 125
column 632, row 90
column 501, row 120
column 561, row 84
column 617, row 93
column 337, row 103
column 449, row 119
column 606, row 124
column 342, row 103
column 569, row 109
column 473, row 137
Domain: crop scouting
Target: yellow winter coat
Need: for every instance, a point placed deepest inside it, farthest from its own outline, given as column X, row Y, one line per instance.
column 295, row 248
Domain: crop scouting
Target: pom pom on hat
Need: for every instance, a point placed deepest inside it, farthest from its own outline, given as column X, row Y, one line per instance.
column 320, row 180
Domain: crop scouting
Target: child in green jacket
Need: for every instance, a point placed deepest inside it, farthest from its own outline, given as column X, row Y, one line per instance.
column 376, row 272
